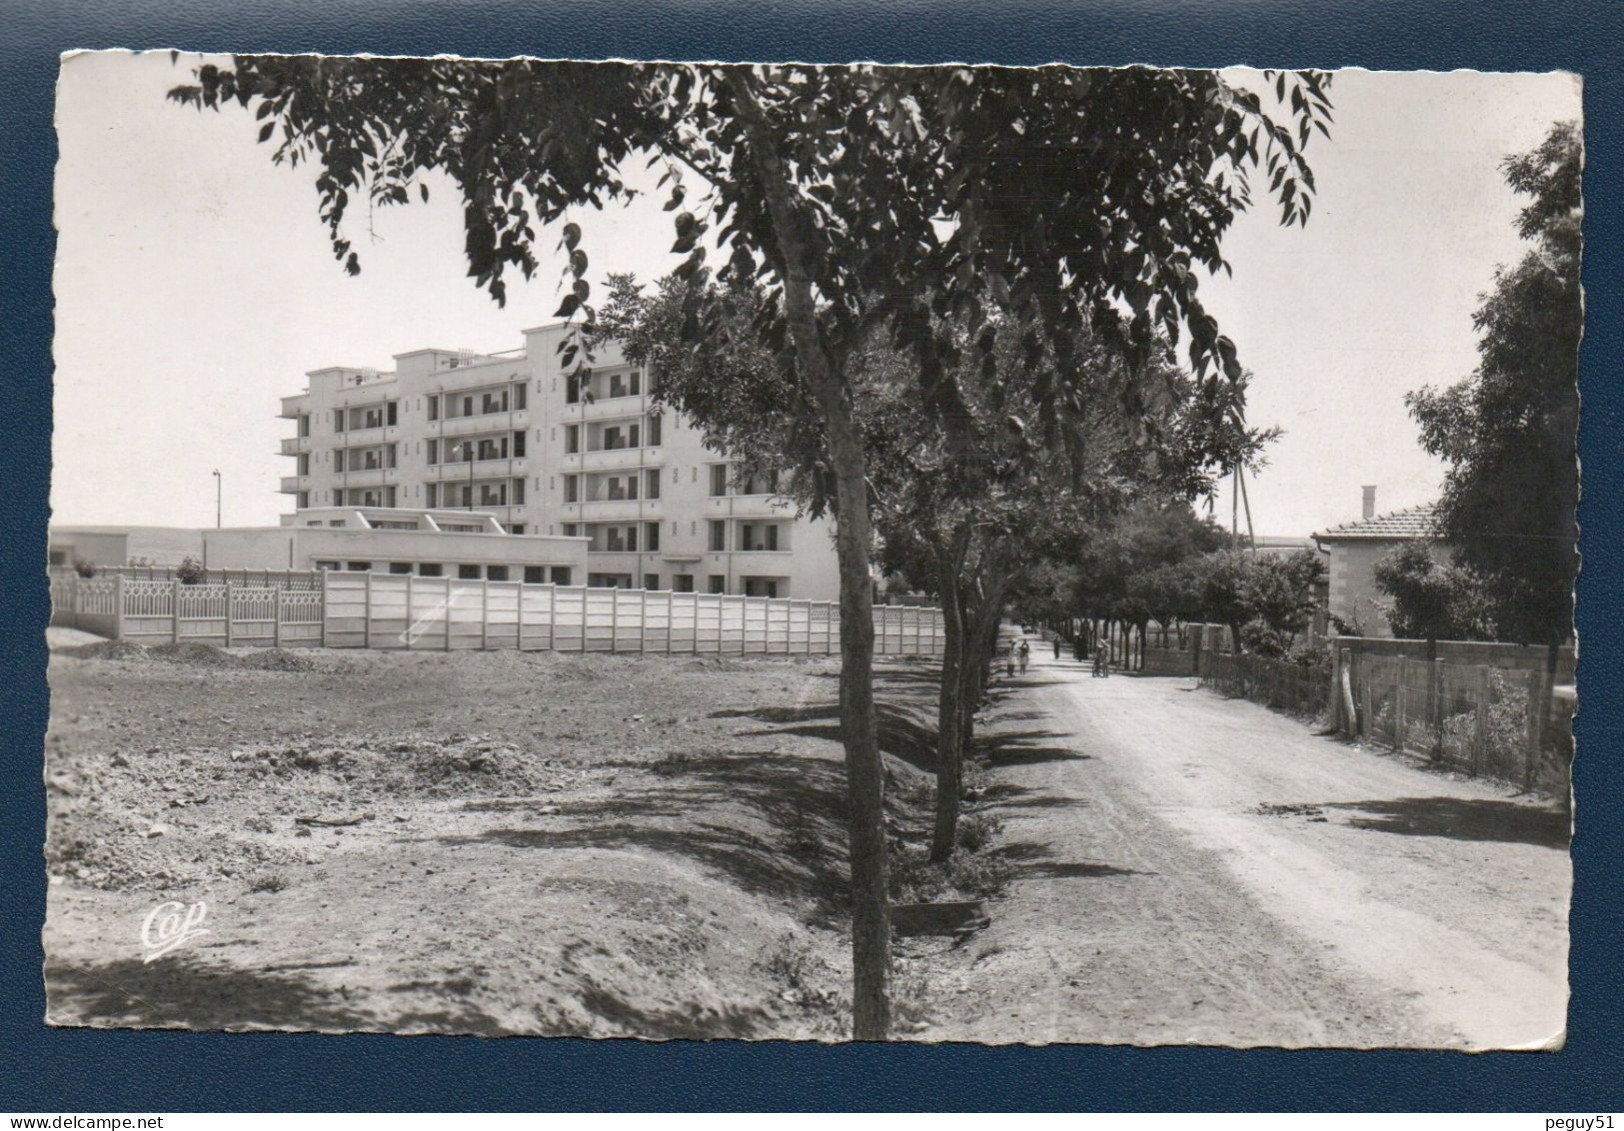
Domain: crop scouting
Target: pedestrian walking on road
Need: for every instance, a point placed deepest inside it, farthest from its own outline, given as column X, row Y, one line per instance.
column 1057, row 647
column 1024, row 650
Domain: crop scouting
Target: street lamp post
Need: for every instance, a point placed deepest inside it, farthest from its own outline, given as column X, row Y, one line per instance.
column 217, row 495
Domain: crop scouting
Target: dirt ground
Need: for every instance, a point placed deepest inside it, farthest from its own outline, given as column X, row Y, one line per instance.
column 485, row 843
column 1167, row 866
column 1191, row 869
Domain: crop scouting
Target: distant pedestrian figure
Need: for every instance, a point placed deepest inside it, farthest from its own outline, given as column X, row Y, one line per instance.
column 1102, row 666
column 1009, row 661
column 1024, row 651
column 1057, row 647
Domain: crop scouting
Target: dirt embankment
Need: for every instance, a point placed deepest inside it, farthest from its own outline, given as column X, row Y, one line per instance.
column 478, row 843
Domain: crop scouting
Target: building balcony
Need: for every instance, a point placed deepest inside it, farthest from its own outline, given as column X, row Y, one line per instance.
column 480, row 375
column 293, row 484
column 749, row 506
column 365, row 437
column 617, row 561
column 611, row 459
column 294, row 407
column 607, row 408
column 507, row 421
column 294, row 445
column 613, row 510
column 366, row 477
column 459, row 470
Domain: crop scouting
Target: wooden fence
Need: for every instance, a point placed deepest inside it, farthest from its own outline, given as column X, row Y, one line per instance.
column 388, row 611
column 1274, row 683
column 1484, row 720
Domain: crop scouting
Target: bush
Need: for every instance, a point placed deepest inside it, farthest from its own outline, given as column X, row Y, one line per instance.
column 83, row 568
column 190, row 571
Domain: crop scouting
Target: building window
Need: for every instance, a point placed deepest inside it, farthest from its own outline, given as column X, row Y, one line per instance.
column 304, row 424
column 651, row 581
column 326, row 565
column 572, row 388
column 651, row 539
column 518, row 492
column 654, row 431
column 718, row 479
column 761, row 586
column 572, row 488
column 631, row 437
column 468, row 572
column 400, row 567
column 428, row 569
column 338, row 420
column 535, row 575
column 515, row 528
column 572, row 439
column 651, row 482
column 389, row 412
column 718, row 535
column 338, row 459
column 758, row 536
column 434, row 410
column 561, row 575
column 570, row 530
column 682, row 583
column 431, row 494
column 519, row 395
column 303, row 500
column 518, row 445
column 360, row 567
column 718, row 583
column 496, row 573
column 434, row 452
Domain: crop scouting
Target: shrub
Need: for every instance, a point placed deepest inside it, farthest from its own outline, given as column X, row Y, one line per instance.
column 190, row 571
column 83, row 568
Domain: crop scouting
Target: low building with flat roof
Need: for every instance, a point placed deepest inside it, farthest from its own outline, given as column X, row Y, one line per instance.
column 397, row 540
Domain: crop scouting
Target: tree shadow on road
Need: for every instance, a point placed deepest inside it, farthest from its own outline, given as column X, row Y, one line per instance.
column 1033, row 858
column 1017, row 748
column 790, row 845
column 900, row 733
column 184, row 992
column 1460, row 818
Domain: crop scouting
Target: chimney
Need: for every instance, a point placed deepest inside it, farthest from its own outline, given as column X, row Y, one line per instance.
column 1370, row 502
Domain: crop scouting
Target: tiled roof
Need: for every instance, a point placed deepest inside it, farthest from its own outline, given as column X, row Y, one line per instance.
column 1416, row 522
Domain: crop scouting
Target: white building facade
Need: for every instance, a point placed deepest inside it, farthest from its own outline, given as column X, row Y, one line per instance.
column 515, row 436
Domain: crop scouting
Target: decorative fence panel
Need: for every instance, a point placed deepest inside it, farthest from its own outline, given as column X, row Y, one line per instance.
column 445, row 614
column 389, row 611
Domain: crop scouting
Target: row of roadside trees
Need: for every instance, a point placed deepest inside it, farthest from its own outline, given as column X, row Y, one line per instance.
column 950, row 267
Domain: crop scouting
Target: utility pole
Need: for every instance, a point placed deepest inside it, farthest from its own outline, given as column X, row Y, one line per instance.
column 217, row 496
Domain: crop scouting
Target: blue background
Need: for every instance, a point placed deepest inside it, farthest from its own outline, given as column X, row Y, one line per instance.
column 75, row 1070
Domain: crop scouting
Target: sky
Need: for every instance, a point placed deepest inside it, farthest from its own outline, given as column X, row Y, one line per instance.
column 195, row 287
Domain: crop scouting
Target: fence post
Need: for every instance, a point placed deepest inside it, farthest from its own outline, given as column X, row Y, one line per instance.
column 411, row 622
column 1435, row 706
column 1400, row 702
column 670, row 617
column 642, row 621
column 450, row 608
column 1336, row 689
column 174, row 610
column 324, row 574
column 276, row 616
column 366, row 610
column 118, row 606
column 1367, row 685
column 828, row 628
column 228, row 614
column 484, row 614
column 1480, row 729
column 1536, row 697
column 584, row 595
column 552, row 616
column 614, row 618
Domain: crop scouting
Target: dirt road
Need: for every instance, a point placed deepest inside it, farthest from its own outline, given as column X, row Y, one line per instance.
column 1192, row 869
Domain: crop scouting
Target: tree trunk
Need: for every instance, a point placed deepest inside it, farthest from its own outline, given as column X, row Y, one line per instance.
column 865, row 776
column 949, row 719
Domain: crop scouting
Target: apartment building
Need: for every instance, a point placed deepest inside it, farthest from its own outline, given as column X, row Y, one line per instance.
column 554, row 454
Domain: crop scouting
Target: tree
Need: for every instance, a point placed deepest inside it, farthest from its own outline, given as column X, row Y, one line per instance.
column 1042, row 203
column 1432, row 599
column 1509, row 431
